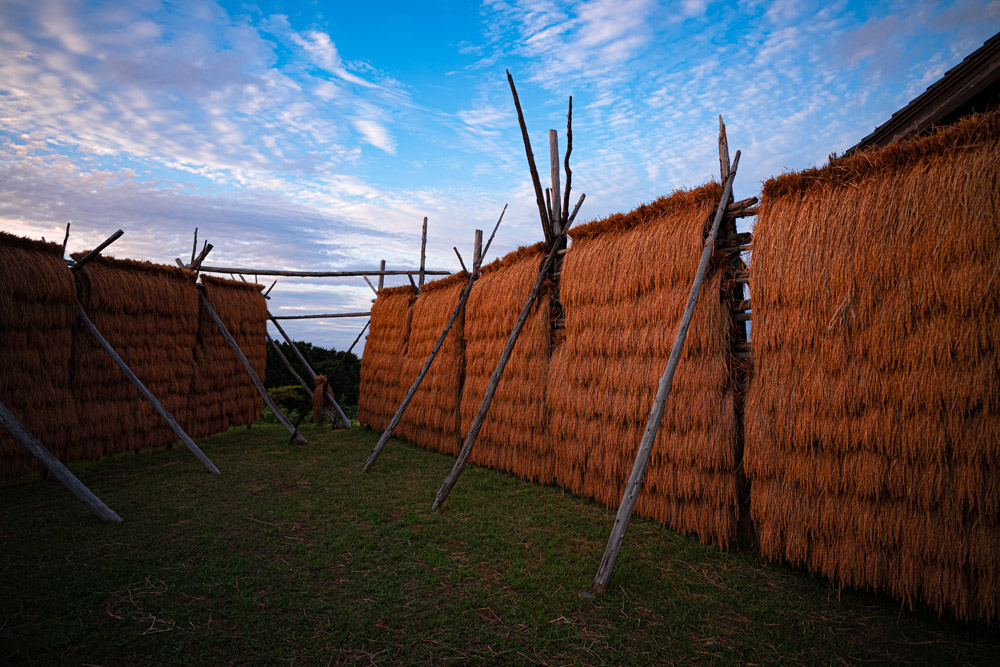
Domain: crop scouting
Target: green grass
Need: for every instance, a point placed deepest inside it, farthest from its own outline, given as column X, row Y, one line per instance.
column 294, row 555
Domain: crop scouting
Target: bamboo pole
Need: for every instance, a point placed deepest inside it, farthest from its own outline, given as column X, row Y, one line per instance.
column 309, row 369
column 394, row 422
column 477, row 422
column 634, row 484
column 539, row 196
column 423, row 252
column 55, row 466
column 162, row 411
column 249, row 369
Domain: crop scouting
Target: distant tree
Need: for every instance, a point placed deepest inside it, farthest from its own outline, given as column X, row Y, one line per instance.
column 345, row 383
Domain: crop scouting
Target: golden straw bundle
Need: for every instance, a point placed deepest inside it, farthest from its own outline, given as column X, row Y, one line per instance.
column 873, row 417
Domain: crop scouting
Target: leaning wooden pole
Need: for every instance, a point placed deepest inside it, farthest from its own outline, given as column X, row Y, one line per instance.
column 309, row 369
column 249, row 369
column 535, row 182
column 167, row 417
column 394, row 422
column 55, row 466
column 477, row 422
column 634, row 484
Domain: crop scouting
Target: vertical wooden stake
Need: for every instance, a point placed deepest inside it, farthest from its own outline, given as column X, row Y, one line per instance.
column 477, row 252
column 423, row 252
column 65, row 239
column 634, row 485
column 55, row 466
column 556, row 192
column 167, row 417
column 381, row 275
column 249, row 369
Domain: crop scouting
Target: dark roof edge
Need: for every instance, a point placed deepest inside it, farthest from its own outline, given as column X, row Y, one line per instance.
column 958, row 86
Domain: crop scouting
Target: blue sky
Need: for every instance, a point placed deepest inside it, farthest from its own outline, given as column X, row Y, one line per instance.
column 318, row 134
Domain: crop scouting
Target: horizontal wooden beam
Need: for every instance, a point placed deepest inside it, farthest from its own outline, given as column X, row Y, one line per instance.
column 319, row 274
column 320, row 316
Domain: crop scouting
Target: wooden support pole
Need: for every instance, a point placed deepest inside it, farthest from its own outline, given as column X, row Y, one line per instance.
column 271, row 287
column 288, row 365
column 477, row 422
column 494, row 233
column 321, row 316
column 557, row 216
column 194, row 246
column 370, row 285
column 96, row 251
column 459, row 255
column 196, row 264
column 65, row 240
column 569, row 149
column 576, row 209
column 634, row 484
column 343, row 356
column 315, row 274
column 479, row 255
column 477, row 252
column 282, row 419
column 423, row 252
column 420, row 376
column 381, row 275
column 413, row 284
column 147, row 394
column 539, row 197
column 55, row 466
column 309, row 369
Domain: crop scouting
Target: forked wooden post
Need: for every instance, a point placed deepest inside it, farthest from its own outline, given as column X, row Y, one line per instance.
column 423, row 252
column 477, row 422
column 634, row 484
column 249, row 369
column 162, row 411
column 55, row 466
column 309, row 369
column 394, row 422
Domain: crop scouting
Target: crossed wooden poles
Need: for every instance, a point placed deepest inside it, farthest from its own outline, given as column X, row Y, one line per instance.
column 556, row 220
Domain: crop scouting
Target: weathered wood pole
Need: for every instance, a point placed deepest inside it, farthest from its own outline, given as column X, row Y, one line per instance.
column 634, row 484
column 556, row 191
column 249, row 369
column 96, row 251
column 477, row 252
column 423, row 252
column 309, row 369
column 322, row 316
column 420, row 376
column 55, row 466
column 539, row 195
column 381, row 274
column 477, row 422
column 162, row 411
column 569, row 149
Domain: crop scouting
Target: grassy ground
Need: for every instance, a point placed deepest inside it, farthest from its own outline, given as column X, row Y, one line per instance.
column 294, row 555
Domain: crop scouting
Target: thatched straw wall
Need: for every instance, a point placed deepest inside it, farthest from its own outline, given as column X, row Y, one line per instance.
column 36, row 324
column 513, row 437
column 382, row 385
column 222, row 394
column 148, row 313
column 873, row 416
column 625, row 283
column 433, row 416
